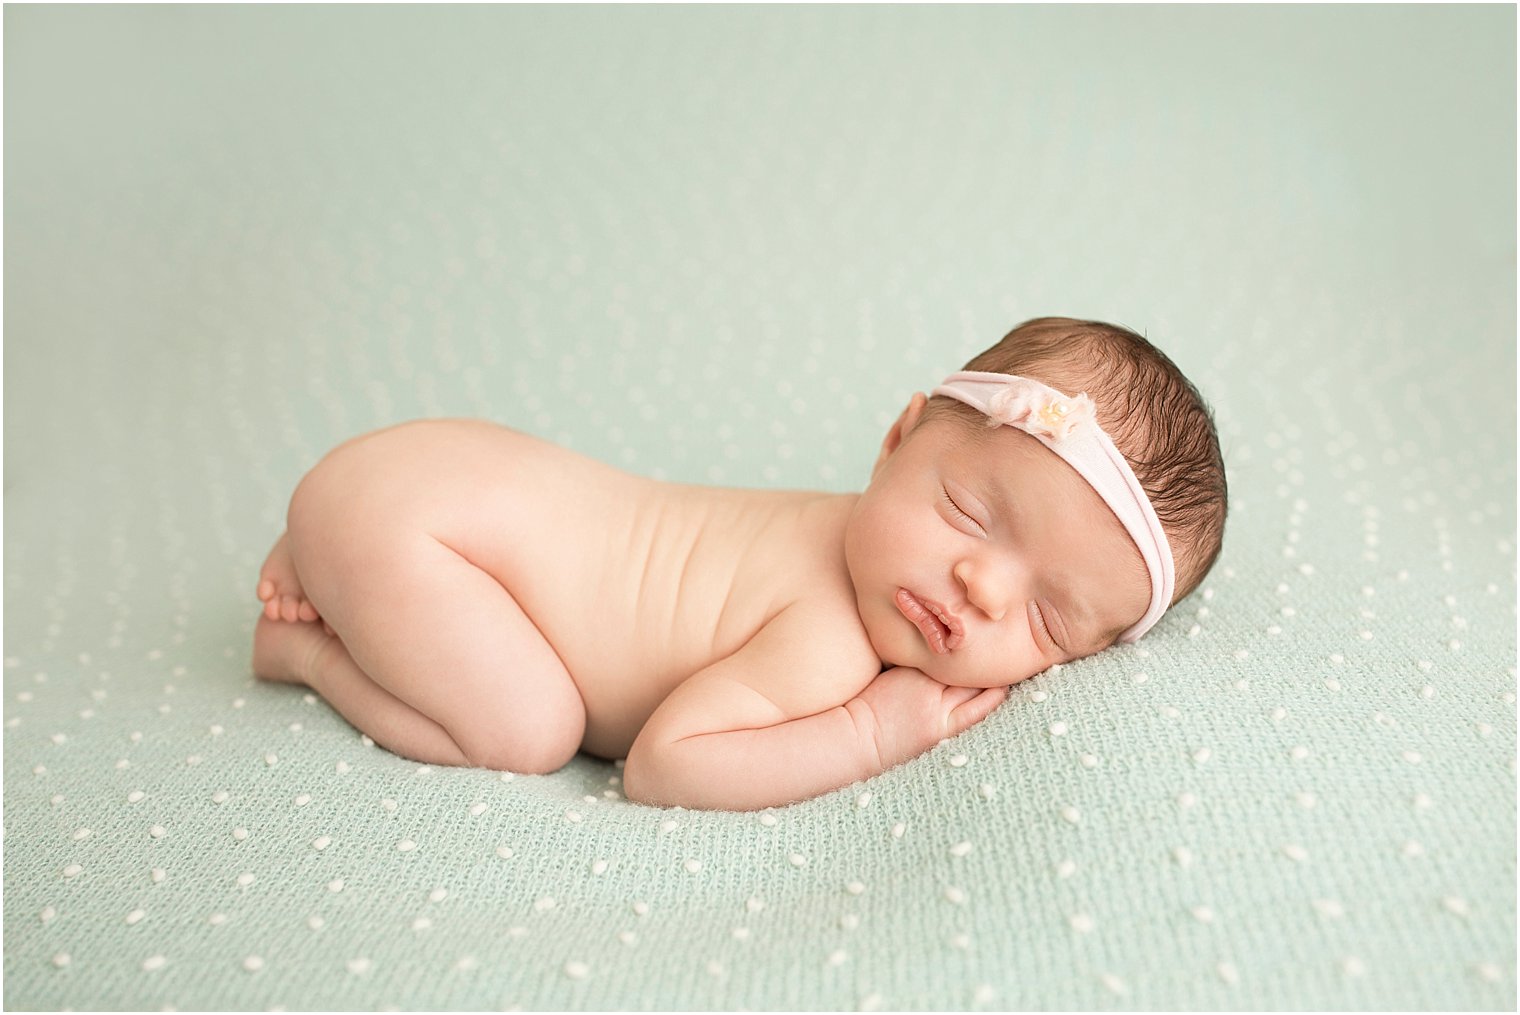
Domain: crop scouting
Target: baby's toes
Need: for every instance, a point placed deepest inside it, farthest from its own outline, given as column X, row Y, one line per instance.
column 266, row 591
column 290, row 608
column 307, row 612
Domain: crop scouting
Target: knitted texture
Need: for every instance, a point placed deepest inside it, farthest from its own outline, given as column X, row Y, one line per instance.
column 725, row 245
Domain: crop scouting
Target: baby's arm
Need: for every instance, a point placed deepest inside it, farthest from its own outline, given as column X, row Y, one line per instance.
column 787, row 717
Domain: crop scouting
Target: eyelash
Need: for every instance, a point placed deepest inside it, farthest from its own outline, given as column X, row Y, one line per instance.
column 1039, row 617
column 957, row 509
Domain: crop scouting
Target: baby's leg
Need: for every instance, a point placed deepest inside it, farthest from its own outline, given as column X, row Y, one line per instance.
column 436, row 632
column 280, row 588
column 305, row 654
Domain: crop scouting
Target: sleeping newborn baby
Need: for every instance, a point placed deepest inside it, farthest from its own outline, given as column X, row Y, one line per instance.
column 469, row 595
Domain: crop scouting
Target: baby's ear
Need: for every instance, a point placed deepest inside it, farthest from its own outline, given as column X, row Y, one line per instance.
column 904, row 425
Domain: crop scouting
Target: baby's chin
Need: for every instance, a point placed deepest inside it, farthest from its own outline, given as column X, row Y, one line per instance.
column 952, row 676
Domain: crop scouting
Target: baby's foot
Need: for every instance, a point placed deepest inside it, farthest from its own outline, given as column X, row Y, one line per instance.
column 284, row 652
column 280, row 590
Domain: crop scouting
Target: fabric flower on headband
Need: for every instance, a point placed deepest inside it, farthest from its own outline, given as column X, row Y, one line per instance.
column 1038, row 410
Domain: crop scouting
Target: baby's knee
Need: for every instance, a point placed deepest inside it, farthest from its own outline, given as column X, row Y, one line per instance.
column 546, row 750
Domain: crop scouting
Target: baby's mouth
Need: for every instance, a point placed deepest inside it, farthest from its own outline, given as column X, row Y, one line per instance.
column 939, row 626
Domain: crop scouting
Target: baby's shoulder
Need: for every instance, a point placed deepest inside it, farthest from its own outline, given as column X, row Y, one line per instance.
column 825, row 626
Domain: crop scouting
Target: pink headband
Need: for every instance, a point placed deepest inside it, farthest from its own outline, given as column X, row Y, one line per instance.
column 1069, row 427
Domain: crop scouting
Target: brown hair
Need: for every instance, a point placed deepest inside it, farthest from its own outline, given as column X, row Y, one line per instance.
column 1156, row 417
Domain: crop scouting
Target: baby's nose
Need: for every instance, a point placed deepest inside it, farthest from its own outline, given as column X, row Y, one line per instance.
column 985, row 590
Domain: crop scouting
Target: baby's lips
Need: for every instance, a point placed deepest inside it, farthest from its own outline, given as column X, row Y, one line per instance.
column 937, row 627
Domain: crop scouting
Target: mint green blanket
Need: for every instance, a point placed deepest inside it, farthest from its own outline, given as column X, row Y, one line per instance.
column 724, row 245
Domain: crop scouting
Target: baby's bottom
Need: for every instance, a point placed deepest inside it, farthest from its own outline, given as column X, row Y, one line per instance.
column 428, row 654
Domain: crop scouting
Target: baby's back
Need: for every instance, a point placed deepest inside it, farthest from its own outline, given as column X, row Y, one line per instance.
column 636, row 584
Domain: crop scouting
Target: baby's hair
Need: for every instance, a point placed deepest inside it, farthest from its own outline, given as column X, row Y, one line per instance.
column 1156, row 417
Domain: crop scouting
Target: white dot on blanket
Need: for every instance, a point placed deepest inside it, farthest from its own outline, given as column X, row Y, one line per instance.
column 135, row 917
column 253, row 963
column 577, row 970
column 797, row 860
column 960, row 849
column 693, row 866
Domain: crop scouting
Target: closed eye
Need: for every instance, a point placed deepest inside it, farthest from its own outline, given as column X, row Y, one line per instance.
column 956, row 511
column 1038, row 616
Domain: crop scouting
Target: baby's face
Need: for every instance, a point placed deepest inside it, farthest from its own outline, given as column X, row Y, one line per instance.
column 982, row 561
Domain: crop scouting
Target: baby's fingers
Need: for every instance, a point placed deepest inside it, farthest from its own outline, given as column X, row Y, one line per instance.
column 969, row 713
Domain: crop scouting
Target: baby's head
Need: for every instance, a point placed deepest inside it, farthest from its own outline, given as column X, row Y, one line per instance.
column 1011, row 523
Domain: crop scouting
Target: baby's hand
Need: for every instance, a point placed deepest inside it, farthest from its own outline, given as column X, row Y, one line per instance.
column 911, row 712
